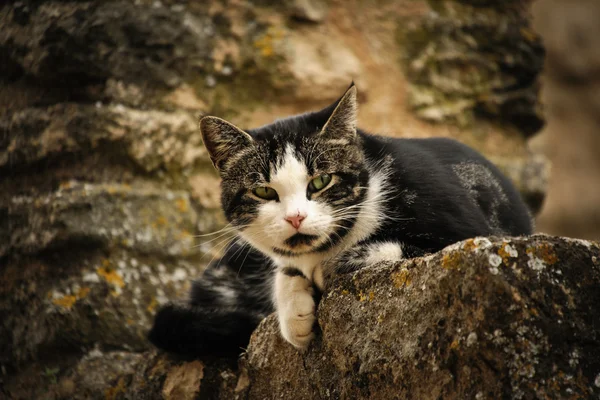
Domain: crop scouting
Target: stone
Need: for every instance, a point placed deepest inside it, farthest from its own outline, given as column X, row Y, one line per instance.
column 452, row 327
column 483, row 318
column 458, row 64
column 309, row 10
column 106, row 186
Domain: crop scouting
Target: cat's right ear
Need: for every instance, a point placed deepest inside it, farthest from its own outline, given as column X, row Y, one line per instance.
column 222, row 140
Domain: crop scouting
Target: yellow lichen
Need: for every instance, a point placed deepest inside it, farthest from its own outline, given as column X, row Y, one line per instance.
column 115, row 392
column 266, row 43
column 470, row 245
column 502, row 252
column 545, row 252
column 402, row 278
column 66, row 185
column 361, row 296
column 160, row 221
column 152, row 306
column 454, row 345
column 83, row 292
column 371, row 296
column 451, row 261
column 182, row 205
column 111, row 276
column 184, row 235
column 345, row 291
column 66, row 302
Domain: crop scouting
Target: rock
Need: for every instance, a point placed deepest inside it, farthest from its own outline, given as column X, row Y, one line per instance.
column 86, row 42
column 151, row 139
column 105, row 185
column 125, row 375
column 484, row 318
column 449, row 80
column 309, row 10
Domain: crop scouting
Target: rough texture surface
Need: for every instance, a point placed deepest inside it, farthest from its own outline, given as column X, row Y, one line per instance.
column 105, row 182
column 486, row 318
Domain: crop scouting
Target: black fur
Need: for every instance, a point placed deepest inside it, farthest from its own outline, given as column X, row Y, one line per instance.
column 439, row 192
column 210, row 323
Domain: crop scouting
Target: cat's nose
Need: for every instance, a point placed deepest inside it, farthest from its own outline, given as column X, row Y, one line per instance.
column 295, row 220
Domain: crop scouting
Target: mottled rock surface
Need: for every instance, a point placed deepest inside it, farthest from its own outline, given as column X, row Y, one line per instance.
column 486, row 318
column 105, row 183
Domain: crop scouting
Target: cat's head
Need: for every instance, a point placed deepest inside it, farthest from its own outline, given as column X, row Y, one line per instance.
column 292, row 187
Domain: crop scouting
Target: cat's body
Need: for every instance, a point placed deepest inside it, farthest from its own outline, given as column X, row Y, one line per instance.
column 314, row 196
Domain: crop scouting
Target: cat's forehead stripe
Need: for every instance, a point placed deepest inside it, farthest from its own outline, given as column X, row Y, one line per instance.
column 291, row 171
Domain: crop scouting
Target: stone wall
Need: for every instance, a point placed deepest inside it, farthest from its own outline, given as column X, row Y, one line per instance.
column 106, row 184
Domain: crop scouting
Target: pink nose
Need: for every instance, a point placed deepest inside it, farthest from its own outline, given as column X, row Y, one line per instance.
column 295, row 220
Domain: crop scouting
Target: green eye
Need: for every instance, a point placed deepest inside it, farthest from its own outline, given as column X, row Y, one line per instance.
column 319, row 182
column 265, row 192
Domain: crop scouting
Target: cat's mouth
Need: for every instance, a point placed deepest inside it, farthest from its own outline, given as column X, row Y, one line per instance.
column 299, row 240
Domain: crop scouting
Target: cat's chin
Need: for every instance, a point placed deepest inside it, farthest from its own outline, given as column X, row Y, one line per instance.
column 291, row 253
column 300, row 240
column 297, row 245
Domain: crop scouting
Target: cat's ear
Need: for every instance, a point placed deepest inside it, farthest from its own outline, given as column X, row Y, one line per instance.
column 341, row 125
column 223, row 140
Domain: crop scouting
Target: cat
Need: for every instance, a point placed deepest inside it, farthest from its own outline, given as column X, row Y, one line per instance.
column 310, row 196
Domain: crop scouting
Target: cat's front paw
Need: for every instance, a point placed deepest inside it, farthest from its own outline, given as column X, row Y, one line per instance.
column 297, row 319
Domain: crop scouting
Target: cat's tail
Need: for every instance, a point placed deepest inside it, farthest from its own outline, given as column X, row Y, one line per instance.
column 224, row 307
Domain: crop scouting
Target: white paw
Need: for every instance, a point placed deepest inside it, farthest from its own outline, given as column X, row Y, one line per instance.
column 297, row 319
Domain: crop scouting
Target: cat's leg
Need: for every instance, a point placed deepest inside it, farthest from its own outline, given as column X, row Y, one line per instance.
column 370, row 253
column 295, row 303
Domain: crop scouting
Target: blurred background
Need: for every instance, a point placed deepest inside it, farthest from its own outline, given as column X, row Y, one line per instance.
column 105, row 183
column 571, row 95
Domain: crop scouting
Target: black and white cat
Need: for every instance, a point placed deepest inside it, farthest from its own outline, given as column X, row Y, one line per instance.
column 312, row 195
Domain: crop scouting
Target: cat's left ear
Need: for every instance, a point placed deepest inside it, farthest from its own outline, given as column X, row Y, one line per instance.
column 223, row 140
column 341, row 125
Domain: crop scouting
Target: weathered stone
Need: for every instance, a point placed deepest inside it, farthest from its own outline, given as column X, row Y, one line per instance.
column 79, row 296
column 464, row 60
column 124, row 375
column 87, row 42
column 105, row 183
column 151, row 139
column 484, row 318
column 308, row 10
column 499, row 318
column 147, row 219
